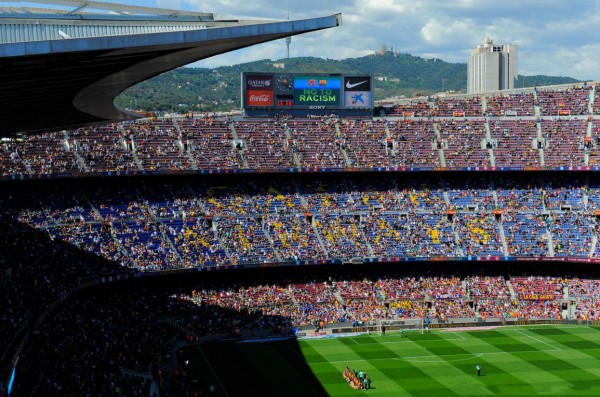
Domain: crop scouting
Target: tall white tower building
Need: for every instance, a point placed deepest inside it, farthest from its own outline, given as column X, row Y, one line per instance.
column 492, row 67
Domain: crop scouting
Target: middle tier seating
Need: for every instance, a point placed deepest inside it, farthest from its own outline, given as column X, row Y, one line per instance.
column 157, row 225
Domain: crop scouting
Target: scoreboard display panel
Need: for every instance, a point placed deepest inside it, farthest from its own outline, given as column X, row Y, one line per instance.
column 317, row 90
column 264, row 92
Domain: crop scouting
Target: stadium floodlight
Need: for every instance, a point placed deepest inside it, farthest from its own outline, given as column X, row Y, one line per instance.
column 401, row 326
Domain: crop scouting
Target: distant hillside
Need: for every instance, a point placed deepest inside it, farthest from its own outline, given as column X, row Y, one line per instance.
column 198, row 89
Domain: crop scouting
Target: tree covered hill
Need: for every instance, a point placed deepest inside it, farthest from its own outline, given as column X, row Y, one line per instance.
column 200, row 89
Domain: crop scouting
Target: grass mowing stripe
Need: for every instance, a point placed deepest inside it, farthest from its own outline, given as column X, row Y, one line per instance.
column 558, row 363
column 310, row 354
column 459, row 336
column 583, row 354
column 554, row 348
column 500, row 352
column 397, row 372
column 516, row 362
column 586, row 339
column 328, row 374
column 449, row 363
column 381, row 382
column 515, row 357
column 476, row 348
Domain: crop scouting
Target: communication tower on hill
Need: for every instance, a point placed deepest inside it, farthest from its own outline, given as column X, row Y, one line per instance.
column 288, row 40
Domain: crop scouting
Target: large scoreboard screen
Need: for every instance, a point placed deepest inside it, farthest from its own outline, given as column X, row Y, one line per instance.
column 294, row 91
column 317, row 91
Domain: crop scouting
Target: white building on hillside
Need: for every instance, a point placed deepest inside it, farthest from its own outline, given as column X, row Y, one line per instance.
column 492, row 67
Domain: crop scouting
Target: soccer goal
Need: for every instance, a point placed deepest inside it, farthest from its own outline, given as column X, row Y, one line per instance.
column 401, row 326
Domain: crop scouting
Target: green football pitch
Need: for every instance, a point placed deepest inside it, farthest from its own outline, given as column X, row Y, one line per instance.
column 515, row 361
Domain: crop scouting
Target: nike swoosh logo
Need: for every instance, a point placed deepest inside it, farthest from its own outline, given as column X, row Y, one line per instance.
column 348, row 85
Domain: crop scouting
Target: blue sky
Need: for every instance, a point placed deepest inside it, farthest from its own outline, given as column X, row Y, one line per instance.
column 555, row 37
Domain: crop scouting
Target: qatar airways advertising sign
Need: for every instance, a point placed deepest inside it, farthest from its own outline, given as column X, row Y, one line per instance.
column 259, row 90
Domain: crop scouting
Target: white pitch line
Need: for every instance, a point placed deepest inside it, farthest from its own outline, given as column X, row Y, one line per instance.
column 402, row 341
column 556, row 349
column 414, row 358
column 352, row 339
column 214, row 373
column 297, row 354
column 460, row 337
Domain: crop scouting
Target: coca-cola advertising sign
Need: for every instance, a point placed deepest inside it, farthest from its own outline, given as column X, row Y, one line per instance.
column 259, row 82
column 259, row 98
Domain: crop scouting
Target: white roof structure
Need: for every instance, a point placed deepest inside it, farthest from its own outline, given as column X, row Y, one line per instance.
column 67, row 66
column 79, row 7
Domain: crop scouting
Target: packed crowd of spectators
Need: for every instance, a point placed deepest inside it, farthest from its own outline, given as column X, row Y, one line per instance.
column 442, row 298
column 571, row 101
column 591, row 144
column 514, row 104
column 515, row 142
column 367, row 143
column 520, row 198
column 587, row 292
column 480, row 235
column 49, row 153
column 317, row 143
column 153, row 226
column 107, row 148
column 96, row 344
column 564, row 142
column 464, row 139
column 526, row 234
column 572, row 234
column 265, row 144
column 457, row 107
column 172, row 146
column 410, row 108
column 86, row 348
column 414, row 143
column 210, row 144
column 144, row 225
column 36, row 274
column 11, row 162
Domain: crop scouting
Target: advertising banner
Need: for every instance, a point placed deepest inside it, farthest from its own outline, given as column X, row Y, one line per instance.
column 259, row 82
column 357, row 92
column 357, row 99
column 259, row 90
column 357, row 83
column 256, row 98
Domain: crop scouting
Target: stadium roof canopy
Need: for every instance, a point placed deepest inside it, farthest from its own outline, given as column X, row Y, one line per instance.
column 62, row 68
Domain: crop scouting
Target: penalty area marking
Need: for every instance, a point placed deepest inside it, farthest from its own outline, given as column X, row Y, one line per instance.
column 473, row 355
column 460, row 337
column 554, row 348
column 441, row 357
column 415, row 359
column 214, row 373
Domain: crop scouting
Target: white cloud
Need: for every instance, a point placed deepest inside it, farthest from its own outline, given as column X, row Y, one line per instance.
column 554, row 36
column 444, row 32
column 389, row 7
